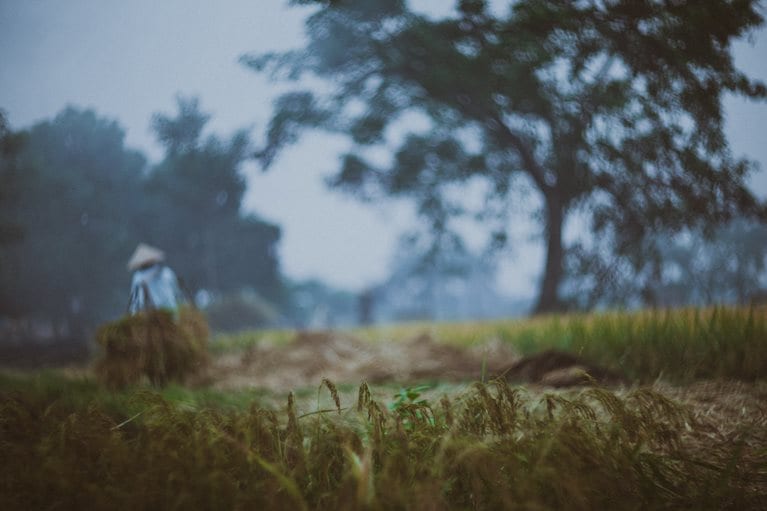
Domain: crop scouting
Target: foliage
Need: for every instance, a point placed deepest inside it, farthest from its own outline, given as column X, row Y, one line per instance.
column 10, row 180
column 84, row 201
column 195, row 196
column 410, row 406
column 152, row 344
column 491, row 447
column 609, row 109
column 408, row 396
column 726, row 267
column 76, row 210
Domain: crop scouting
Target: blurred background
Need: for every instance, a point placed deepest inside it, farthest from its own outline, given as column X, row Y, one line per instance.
column 318, row 164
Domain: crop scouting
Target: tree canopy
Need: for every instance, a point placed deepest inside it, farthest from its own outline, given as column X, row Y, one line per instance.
column 612, row 109
column 73, row 207
column 198, row 186
column 81, row 201
column 681, row 269
column 10, row 177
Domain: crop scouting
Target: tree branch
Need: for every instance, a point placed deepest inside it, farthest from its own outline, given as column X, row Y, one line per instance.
column 530, row 164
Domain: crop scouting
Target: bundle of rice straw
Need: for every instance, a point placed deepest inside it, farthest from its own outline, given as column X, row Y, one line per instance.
column 153, row 345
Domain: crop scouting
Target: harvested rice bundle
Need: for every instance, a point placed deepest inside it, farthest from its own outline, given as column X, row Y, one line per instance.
column 154, row 345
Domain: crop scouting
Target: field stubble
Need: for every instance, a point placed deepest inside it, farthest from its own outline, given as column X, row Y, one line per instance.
column 685, row 427
column 460, row 446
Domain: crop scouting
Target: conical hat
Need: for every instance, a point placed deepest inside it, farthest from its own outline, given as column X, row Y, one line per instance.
column 143, row 255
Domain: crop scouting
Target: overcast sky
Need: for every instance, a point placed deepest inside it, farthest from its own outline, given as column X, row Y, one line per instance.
column 129, row 59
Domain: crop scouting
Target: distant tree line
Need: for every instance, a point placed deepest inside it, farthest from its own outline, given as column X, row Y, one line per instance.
column 694, row 267
column 75, row 201
column 449, row 281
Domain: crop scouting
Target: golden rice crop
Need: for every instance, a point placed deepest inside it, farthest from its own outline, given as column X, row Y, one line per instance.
column 680, row 345
column 493, row 446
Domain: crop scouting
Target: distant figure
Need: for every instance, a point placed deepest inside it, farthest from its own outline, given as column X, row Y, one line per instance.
column 154, row 285
column 365, row 306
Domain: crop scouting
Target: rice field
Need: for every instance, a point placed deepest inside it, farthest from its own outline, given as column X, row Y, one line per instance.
column 687, row 429
column 679, row 345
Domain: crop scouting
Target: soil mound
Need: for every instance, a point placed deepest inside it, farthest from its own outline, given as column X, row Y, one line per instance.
column 342, row 358
column 559, row 369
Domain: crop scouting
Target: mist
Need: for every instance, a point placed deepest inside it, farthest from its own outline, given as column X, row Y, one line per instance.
column 138, row 123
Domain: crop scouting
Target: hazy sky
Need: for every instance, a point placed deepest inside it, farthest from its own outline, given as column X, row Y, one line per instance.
column 129, row 59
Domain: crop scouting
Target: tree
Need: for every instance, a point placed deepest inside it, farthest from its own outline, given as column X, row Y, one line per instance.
column 194, row 199
column 687, row 268
column 78, row 184
column 607, row 108
column 440, row 280
column 422, row 270
column 11, row 178
column 82, row 201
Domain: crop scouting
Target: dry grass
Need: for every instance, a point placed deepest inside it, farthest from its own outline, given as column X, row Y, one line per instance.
column 695, row 439
column 490, row 446
column 681, row 345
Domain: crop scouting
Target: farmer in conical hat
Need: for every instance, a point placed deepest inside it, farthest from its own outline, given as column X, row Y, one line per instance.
column 154, row 285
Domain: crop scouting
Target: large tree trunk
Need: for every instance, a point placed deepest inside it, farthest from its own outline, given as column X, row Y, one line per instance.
column 548, row 299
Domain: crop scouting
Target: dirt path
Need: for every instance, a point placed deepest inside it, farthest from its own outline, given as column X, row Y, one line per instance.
column 341, row 358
